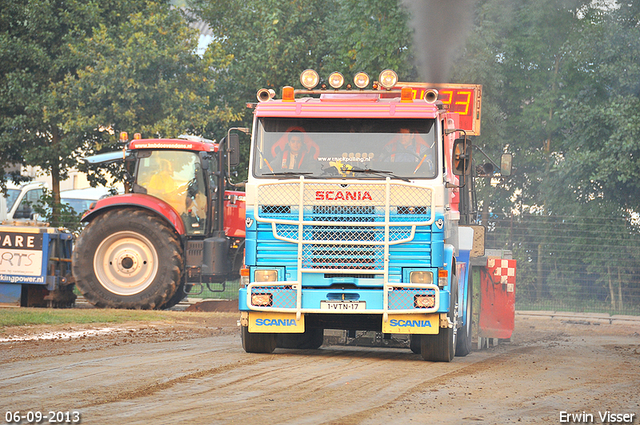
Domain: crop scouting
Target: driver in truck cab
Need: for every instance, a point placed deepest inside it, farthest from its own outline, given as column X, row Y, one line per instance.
column 407, row 146
column 293, row 156
column 298, row 153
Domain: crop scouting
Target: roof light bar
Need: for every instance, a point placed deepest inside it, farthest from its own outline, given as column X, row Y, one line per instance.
column 388, row 79
column 361, row 80
column 309, row 79
column 336, row 80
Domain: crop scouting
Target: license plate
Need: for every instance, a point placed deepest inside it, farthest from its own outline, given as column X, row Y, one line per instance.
column 343, row 305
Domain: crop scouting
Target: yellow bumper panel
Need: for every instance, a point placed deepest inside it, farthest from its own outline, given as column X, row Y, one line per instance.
column 412, row 324
column 263, row 322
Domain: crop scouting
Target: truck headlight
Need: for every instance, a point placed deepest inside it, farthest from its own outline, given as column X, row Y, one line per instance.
column 421, row 277
column 388, row 79
column 424, row 301
column 309, row 79
column 361, row 80
column 262, row 300
column 265, row 276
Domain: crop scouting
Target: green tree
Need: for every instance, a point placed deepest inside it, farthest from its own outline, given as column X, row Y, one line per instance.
column 520, row 52
column 370, row 36
column 75, row 73
column 561, row 85
column 602, row 123
column 268, row 43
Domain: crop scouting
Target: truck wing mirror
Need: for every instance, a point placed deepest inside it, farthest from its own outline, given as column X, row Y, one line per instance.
column 234, row 149
column 505, row 164
column 461, row 157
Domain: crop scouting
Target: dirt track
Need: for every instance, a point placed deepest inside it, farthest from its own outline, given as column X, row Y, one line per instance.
column 197, row 372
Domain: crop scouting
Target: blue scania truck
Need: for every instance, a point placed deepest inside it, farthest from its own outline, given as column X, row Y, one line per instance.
column 358, row 202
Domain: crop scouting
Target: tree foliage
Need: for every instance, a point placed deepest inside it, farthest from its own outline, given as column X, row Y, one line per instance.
column 75, row 73
column 561, row 92
column 268, row 43
column 561, row 85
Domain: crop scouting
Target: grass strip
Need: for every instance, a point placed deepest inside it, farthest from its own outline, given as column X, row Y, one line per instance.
column 45, row 316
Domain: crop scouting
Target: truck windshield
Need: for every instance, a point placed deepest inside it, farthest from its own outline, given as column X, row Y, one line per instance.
column 330, row 148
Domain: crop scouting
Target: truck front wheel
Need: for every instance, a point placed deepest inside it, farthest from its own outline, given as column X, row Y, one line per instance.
column 465, row 332
column 258, row 342
column 442, row 347
column 128, row 258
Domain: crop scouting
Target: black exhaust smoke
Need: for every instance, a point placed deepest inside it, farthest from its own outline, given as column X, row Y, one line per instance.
column 440, row 30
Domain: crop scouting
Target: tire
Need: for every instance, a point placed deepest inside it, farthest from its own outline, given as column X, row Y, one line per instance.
column 179, row 295
column 442, row 347
column 415, row 343
column 311, row 339
column 464, row 345
column 128, row 258
column 257, row 342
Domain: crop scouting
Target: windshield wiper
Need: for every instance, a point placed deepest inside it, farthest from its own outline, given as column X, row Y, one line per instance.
column 378, row 172
column 289, row 173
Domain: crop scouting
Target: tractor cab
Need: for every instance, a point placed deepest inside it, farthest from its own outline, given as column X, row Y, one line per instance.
column 183, row 178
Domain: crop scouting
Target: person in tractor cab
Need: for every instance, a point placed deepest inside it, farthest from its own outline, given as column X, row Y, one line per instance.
column 163, row 185
column 177, row 178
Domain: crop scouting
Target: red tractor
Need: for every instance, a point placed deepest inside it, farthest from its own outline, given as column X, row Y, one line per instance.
column 174, row 228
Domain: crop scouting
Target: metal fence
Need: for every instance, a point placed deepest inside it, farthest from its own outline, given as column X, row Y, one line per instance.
column 216, row 291
column 571, row 263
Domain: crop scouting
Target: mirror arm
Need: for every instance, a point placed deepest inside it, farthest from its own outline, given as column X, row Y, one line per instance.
column 486, row 156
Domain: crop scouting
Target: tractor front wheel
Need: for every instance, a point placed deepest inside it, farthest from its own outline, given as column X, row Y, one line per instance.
column 128, row 258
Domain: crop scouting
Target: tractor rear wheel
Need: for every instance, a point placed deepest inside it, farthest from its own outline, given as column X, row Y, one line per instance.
column 178, row 296
column 128, row 258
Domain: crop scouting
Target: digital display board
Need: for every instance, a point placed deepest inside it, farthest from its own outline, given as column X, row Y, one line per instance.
column 463, row 99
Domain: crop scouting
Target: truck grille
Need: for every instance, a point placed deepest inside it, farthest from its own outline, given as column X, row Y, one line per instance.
column 344, row 226
column 343, row 257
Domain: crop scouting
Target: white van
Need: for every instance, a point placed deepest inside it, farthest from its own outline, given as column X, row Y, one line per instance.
column 81, row 199
column 18, row 204
column 19, row 201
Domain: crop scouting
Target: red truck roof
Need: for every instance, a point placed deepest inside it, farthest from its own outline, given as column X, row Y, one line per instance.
column 349, row 106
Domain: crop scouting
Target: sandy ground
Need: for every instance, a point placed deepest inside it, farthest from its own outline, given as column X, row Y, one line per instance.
column 197, row 372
